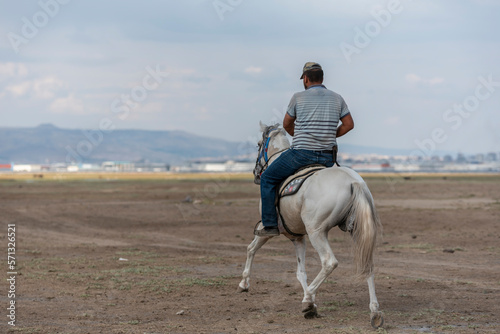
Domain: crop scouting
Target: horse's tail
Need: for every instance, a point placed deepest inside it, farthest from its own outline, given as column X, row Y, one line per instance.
column 365, row 229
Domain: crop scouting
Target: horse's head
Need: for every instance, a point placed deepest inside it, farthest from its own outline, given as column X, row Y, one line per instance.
column 273, row 141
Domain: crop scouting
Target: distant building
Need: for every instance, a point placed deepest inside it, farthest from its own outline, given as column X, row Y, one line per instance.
column 460, row 158
column 118, row 166
column 59, row 167
column 218, row 167
column 26, row 168
column 448, row 158
column 479, row 157
column 5, row 167
column 73, row 168
column 383, row 167
column 492, row 156
column 89, row 167
column 152, row 167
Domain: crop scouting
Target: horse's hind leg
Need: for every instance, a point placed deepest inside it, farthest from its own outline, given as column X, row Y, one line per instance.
column 300, row 249
column 254, row 246
column 377, row 319
column 319, row 241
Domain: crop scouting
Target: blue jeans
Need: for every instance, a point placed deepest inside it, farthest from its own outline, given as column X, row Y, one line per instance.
column 285, row 165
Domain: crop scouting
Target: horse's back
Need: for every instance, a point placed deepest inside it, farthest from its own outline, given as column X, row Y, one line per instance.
column 320, row 201
column 334, row 178
column 345, row 173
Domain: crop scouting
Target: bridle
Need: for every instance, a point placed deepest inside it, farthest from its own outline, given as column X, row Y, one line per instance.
column 260, row 166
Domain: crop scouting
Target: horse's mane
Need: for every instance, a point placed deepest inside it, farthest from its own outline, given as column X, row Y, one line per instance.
column 280, row 139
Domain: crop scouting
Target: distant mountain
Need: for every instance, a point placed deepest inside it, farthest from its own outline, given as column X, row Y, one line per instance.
column 47, row 143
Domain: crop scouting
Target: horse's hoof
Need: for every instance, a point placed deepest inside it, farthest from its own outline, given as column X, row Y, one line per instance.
column 310, row 311
column 377, row 320
column 311, row 315
column 240, row 289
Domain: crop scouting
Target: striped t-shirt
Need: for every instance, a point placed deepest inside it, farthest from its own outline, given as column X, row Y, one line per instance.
column 317, row 112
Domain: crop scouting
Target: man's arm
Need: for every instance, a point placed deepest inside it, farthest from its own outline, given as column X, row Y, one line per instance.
column 289, row 124
column 346, row 126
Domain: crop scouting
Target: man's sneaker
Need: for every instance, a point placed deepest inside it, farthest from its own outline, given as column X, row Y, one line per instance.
column 267, row 232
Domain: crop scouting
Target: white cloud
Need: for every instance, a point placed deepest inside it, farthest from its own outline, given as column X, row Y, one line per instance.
column 19, row 89
column 202, row 114
column 253, row 70
column 415, row 79
column 13, row 69
column 178, row 71
column 153, row 107
column 392, row 120
column 412, row 78
column 44, row 88
column 68, row 104
column 435, row 81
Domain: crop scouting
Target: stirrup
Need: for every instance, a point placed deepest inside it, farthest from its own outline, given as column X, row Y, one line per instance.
column 269, row 232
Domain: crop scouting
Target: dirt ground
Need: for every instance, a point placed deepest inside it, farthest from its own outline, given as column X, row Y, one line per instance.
column 165, row 255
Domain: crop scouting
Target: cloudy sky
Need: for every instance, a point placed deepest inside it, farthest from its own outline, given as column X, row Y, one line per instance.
column 418, row 75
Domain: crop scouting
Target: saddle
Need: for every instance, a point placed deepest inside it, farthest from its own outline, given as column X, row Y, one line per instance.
column 291, row 186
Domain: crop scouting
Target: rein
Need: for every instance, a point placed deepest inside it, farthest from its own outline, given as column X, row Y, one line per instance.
column 263, row 148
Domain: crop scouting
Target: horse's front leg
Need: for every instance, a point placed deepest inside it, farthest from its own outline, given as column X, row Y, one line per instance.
column 254, row 246
column 319, row 240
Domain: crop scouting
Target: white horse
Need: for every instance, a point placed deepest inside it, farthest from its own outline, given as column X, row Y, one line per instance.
column 331, row 197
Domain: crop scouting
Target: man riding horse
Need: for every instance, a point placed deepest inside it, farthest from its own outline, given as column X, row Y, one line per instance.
column 312, row 119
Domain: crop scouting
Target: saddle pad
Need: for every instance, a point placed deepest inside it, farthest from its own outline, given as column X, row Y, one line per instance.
column 293, row 183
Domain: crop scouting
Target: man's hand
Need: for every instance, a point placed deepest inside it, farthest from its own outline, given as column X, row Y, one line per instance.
column 346, row 126
column 289, row 124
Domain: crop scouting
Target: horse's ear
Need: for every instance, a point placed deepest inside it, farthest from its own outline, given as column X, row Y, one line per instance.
column 263, row 127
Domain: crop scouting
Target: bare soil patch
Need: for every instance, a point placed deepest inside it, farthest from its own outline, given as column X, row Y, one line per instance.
column 165, row 255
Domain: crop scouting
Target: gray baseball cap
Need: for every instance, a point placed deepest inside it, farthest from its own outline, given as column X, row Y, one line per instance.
column 310, row 66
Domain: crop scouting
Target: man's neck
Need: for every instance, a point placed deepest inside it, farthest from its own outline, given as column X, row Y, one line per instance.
column 314, row 84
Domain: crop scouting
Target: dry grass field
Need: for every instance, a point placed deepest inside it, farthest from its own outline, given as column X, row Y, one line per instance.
column 163, row 253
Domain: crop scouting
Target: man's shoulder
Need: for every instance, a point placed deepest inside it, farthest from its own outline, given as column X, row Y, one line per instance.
column 334, row 95
column 331, row 92
column 313, row 92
